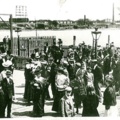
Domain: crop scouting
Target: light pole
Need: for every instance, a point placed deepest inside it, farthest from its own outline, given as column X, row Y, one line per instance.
column 96, row 35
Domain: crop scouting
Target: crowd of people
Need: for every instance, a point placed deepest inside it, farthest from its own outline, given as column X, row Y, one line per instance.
column 75, row 80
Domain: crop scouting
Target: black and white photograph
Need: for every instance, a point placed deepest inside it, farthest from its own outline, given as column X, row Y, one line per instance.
column 59, row 59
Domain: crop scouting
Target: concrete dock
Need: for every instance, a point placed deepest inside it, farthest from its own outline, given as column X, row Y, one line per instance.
column 20, row 108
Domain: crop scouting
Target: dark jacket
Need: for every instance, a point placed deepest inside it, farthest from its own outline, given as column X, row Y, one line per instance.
column 97, row 72
column 2, row 103
column 109, row 96
column 8, row 88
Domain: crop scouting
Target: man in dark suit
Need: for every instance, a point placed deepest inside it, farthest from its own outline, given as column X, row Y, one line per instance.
column 1, row 102
column 116, row 75
column 98, row 77
column 46, row 50
column 8, row 89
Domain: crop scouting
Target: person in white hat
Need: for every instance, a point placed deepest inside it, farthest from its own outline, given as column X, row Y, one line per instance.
column 67, row 104
column 6, row 66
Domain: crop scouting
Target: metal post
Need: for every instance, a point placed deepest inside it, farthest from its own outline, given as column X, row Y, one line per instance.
column 11, row 33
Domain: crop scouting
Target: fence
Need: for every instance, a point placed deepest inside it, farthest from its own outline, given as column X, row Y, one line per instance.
column 25, row 46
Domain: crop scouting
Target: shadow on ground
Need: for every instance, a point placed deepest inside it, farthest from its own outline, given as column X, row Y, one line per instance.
column 20, row 101
column 51, row 114
column 25, row 113
column 49, row 103
column 20, row 86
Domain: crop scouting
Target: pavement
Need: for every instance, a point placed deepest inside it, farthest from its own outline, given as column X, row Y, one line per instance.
column 20, row 109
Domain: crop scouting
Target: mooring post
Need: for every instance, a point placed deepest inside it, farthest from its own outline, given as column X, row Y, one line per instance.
column 74, row 41
column 109, row 40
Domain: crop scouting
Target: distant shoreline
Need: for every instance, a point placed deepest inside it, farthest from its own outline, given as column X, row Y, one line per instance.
column 64, row 29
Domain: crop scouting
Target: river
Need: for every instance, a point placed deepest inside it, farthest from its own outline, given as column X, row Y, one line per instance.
column 67, row 35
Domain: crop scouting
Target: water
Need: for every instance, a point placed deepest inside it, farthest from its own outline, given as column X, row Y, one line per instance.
column 67, row 35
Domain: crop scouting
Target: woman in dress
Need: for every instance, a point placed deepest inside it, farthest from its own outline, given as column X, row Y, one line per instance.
column 90, row 103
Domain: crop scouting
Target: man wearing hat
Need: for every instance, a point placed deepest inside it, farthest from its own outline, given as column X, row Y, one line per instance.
column 98, row 77
column 71, row 69
column 2, row 103
column 66, row 103
column 109, row 99
column 6, row 66
column 8, row 89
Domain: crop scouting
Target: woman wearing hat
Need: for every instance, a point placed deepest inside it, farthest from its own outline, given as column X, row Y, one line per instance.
column 90, row 103
column 39, row 93
column 61, row 82
column 89, row 77
column 29, row 77
column 80, row 93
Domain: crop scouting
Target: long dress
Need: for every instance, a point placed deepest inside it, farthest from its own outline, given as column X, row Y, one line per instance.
column 29, row 77
column 39, row 96
column 90, row 104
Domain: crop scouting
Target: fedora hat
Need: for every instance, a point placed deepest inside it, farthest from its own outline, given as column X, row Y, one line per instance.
column 8, row 72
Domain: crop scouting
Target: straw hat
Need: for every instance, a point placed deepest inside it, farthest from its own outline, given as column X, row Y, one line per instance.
column 6, row 64
column 68, row 89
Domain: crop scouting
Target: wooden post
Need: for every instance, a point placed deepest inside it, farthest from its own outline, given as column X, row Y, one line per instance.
column 28, row 47
column 11, row 33
column 109, row 40
column 18, row 46
column 74, row 41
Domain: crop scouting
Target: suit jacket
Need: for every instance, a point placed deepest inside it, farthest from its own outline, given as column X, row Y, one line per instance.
column 67, row 107
column 116, row 72
column 8, row 88
column 97, row 72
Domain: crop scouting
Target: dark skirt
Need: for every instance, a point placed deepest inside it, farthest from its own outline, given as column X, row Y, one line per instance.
column 90, row 104
column 56, row 103
column 38, row 103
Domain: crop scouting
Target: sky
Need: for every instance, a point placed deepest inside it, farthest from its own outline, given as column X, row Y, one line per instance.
column 63, row 9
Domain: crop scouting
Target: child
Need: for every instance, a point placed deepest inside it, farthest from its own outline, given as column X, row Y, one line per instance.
column 109, row 99
column 67, row 105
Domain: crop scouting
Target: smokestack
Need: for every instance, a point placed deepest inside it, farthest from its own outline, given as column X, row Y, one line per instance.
column 113, row 17
column 84, row 19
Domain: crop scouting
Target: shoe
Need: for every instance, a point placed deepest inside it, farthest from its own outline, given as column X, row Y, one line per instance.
column 8, row 116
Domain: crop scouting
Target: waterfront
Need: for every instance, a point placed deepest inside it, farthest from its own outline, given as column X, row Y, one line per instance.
column 67, row 35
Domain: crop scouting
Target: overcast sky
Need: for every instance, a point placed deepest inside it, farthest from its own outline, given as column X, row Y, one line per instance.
column 64, row 9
